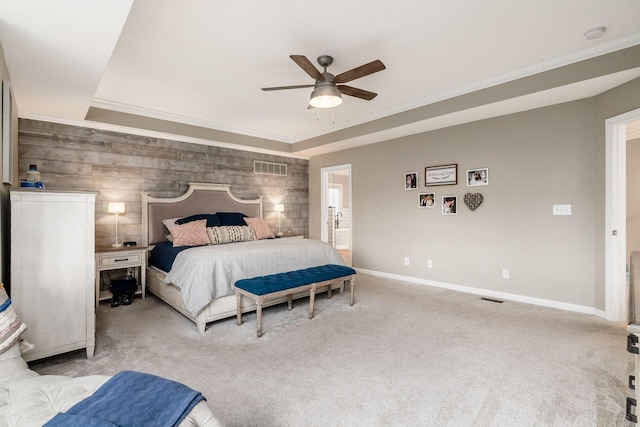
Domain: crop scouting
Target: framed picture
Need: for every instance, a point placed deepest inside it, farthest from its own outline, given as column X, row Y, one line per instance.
column 478, row 177
column 441, row 175
column 427, row 200
column 449, row 205
column 411, row 180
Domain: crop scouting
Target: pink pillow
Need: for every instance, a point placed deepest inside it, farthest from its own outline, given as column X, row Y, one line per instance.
column 192, row 233
column 261, row 228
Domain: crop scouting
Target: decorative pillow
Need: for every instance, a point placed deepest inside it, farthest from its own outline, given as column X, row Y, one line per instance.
column 260, row 227
column 212, row 219
column 170, row 223
column 10, row 326
column 230, row 234
column 192, row 233
column 231, row 218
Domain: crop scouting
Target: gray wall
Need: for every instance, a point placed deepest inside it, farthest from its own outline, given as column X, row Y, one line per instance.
column 120, row 166
column 538, row 158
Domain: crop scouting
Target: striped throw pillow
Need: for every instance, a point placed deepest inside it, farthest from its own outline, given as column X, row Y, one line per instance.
column 230, row 234
column 10, row 326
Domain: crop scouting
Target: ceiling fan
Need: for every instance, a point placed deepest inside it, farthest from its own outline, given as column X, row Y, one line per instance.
column 329, row 88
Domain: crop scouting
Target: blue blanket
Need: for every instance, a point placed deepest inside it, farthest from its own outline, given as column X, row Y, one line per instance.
column 132, row 399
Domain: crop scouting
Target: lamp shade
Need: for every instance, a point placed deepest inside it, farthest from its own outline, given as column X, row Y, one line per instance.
column 325, row 97
column 116, row 207
column 279, row 207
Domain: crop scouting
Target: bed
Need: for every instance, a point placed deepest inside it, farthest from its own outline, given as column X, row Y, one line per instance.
column 30, row 399
column 199, row 281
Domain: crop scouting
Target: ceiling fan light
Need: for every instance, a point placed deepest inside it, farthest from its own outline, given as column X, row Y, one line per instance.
column 325, row 97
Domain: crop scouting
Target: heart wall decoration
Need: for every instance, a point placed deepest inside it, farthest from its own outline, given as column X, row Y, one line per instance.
column 473, row 200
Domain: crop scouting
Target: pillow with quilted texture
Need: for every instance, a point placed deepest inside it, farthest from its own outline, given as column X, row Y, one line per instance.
column 260, row 227
column 230, row 234
column 10, row 326
column 192, row 233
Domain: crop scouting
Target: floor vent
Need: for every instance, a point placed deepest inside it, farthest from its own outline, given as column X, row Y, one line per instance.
column 491, row 300
column 269, row 168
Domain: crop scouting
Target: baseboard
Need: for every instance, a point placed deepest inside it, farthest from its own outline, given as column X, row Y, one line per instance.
column 488, row 293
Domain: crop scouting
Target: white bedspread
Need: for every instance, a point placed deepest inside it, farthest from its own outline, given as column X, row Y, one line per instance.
column 28, row 399
column 207, row 272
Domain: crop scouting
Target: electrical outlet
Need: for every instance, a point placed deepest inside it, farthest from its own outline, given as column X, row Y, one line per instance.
column 505, row 274
column 429, row 264
column 406, row 260
column 562, row 209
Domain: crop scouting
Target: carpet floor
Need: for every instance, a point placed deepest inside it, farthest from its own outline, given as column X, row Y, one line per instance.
column 403, row 355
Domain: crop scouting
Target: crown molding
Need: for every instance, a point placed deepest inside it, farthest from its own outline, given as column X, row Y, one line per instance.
column 569, row 58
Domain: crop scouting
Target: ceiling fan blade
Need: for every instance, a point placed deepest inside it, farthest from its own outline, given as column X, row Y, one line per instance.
column 361, row 71
column 358, row 93
column 307, row 66
column 286, row 87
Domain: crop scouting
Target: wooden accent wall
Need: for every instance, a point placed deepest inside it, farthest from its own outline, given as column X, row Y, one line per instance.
column 121, row 166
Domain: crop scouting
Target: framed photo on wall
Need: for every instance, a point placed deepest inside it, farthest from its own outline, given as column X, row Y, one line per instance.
column 427, row 200
column 449, row 205
column 478, row 177
column 441, row 175
column 411, row 180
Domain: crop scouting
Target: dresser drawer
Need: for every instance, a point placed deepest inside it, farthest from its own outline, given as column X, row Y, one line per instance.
column 120, row 260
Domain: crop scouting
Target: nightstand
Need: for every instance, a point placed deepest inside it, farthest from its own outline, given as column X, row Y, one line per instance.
column 111, row 258
column 295, row 236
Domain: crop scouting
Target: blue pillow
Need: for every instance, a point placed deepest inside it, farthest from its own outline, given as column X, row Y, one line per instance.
column 212, row 219
column 231, row 218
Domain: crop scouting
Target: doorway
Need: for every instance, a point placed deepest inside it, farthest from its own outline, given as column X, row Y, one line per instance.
column 336, row 209
column 616, row 303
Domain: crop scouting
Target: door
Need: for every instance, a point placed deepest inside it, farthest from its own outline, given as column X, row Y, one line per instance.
column 616, row 302
column 336, row 208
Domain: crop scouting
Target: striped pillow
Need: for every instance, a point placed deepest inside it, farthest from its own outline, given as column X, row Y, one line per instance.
column 230, row 234
column 10, row 326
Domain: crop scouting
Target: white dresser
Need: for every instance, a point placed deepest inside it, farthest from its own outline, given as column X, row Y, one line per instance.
column 52, row 269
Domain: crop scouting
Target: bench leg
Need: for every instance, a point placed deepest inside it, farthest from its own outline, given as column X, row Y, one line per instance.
column 239, row 309
column 353, row 289
column 259, row 321
column 289, row 302
column 329, row 291
column 312, row 297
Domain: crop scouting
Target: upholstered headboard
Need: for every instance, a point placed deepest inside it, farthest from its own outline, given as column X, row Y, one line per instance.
column 199, row 198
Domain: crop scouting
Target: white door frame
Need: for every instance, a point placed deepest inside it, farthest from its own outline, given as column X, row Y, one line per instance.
column 324, row 184
column 616, row 306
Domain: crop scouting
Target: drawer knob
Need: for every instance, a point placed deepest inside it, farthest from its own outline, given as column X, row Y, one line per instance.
column 122, row 259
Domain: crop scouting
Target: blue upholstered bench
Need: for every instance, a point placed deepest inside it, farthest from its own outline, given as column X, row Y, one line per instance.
column 290, row 283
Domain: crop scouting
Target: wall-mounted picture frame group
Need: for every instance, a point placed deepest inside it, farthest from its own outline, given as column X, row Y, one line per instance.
column 441, row 175
column 449, row 205
column 477, row 177
column 427, row 200
column 411, row 180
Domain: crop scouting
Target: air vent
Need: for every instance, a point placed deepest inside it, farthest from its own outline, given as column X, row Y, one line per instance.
column 491, row 300
column 269, row 168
